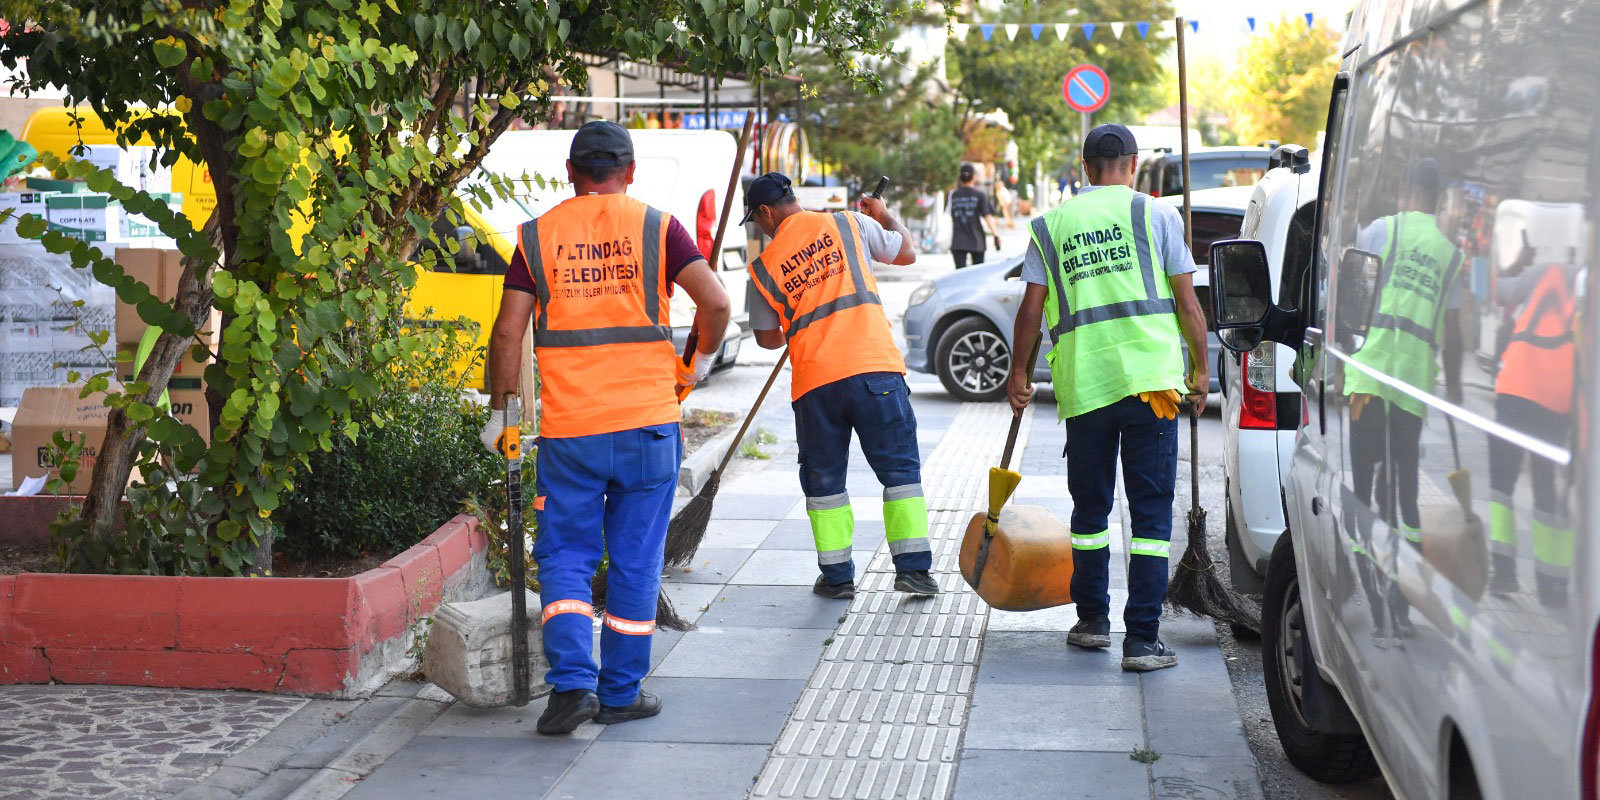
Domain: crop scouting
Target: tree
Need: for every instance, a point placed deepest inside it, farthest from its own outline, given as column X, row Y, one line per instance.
column 1280, row 87
column 334, row 137
column 1023, row 77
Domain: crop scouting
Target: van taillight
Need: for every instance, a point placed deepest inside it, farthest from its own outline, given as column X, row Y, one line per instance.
column 1589, row 756
column 705, row 222
column 1259, row 409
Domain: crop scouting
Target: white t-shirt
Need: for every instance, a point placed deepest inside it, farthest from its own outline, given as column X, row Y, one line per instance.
column 882, row 244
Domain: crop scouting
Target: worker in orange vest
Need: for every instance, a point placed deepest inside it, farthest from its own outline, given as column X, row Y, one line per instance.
column 597, row 271
column 816, row 292
column 1534, row 393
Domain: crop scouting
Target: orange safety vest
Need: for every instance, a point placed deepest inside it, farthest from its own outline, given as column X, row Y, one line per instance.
column 815, row 273
column 1539, row 361
column 600, row 332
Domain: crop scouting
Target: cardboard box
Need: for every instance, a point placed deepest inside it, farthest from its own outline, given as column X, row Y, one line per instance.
column 20, row 203
column 136, row 228
column 190, row 407
column 45, row 410
column 55, row 185
column 157, row 269
column 94, row 218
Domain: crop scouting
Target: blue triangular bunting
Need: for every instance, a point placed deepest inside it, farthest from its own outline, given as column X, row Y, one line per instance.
column 1195, row 24
column 1038, row 30
column 1144, row 28
column 1309, row 17
column 987, row 30
column 1252, row 21
column 1088, row 31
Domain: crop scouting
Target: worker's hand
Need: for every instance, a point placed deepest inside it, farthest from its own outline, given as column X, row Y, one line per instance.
column 1019, row 390
column 874, row 207
column 498, row 433
column 695, row 371
column 1199, row 383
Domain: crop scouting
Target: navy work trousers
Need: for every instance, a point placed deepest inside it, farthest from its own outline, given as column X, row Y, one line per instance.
column 609, row 494
column 1149, row 446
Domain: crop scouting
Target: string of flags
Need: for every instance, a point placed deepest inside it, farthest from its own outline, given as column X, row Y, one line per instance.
column 959, row 30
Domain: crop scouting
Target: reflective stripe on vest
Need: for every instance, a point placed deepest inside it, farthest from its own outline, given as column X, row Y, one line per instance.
column 851, row 244
column 1152, row 303
column 650, row 272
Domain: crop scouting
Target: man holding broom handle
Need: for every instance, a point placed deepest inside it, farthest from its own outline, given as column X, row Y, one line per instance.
column 596, row 270
column 817, row 294
column 1111, row 274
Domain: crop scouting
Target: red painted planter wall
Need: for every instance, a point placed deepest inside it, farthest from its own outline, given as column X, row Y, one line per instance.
column 293, row 635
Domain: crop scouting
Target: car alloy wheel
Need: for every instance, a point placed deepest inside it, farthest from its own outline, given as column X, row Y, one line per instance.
column 979, row 361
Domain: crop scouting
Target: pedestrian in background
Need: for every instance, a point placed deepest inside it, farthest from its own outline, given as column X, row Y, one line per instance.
column 1113, row 280
column 596, row 270
column 970, row 214
column 817, row 293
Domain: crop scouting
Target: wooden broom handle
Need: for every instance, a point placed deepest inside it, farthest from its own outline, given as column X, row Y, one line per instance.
column 1016, row 418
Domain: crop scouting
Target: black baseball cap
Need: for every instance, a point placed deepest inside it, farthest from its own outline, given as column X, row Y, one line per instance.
column 1109, row 141
column 764, row 191
column 968, row 172
column 601, row 144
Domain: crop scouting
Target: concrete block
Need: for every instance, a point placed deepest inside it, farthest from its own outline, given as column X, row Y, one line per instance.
column 469, row 651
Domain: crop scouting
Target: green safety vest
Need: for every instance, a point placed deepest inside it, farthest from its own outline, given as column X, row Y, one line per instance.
column 1108, row 303
column 1419, row 270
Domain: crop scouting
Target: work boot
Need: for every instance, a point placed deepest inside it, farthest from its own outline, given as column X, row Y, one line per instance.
column 915, row 582
column 1503, row 574
column 567, row 710
column 833, row 591
column 1090, row 633
column 645, row 705
column 1144, row 655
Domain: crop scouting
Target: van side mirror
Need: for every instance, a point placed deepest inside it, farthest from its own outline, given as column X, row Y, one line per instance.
column 1241, row 293
column 466, row 257
column 1356, row 282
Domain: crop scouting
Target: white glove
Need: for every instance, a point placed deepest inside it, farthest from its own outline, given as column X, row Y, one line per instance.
column 498, row 422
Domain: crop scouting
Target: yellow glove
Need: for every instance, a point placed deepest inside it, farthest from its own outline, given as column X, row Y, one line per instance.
column 1358, row 402
column 1163, row 403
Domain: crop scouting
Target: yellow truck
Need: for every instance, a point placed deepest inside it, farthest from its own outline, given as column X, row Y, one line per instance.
column 681, row 172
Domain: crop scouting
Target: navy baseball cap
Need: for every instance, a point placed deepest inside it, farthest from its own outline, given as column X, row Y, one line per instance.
column 1109, row 141
column 601, row 144
column 764, row 191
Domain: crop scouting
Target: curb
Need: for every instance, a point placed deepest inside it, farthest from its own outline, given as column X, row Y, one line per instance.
column 698, row 466
column 371, row 751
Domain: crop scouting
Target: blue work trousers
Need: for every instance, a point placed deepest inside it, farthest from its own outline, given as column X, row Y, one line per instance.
column 1149, row 447
column 606, row 494
column 877, row 407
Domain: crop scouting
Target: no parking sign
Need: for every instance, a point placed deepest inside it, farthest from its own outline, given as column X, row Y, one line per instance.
column 1086, row 88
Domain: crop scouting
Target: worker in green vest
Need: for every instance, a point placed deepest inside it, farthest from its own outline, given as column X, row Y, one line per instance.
column 1110, row 274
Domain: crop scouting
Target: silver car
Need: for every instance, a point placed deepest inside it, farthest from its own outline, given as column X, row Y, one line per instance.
column 959, row 326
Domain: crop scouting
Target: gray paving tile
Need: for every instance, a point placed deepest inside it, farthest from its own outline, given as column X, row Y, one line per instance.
column 508, row 722
column 709, row 565
column 1037, row 717
column 661, row 643
column 772, row 607
column 436, row 766
column 987, row 774
column 1189, row 777
column 754, row 506
column 1046, row 658
column 795, row 534
column 1178, row 730
column 781, row 568
column 1059, row 619
column 737, row 532
column 690, row 599
column 713, row 711
column 661, row 771
column 775, row 653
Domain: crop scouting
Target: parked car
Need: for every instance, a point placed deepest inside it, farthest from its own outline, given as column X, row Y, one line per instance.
column 1260, row 401
column 1432, row 612
column 959, row 326
column 1161, row 175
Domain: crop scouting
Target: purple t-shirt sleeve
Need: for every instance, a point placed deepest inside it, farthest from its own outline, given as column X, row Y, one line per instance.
column 681, row 252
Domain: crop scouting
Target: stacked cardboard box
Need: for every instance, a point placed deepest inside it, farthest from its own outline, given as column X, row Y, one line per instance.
column 48, row 312
column 160, row 270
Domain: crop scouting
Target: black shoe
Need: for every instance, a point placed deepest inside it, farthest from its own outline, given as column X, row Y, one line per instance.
column 1503, row 574
column 645, row 705
column 918, row 582
column 567, row 710
column 1092, row 633
column 1143, row 655
column 834, row 591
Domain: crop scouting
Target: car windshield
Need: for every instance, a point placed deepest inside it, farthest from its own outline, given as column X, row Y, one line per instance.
column 1214, row 172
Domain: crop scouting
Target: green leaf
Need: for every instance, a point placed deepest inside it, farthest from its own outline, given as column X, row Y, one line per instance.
column 170, row 51
column 470, row 36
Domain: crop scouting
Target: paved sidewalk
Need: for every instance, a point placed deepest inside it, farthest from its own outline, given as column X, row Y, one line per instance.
column 778, row 693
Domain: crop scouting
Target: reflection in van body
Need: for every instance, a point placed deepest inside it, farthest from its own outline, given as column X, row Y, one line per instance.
column 1438, row 601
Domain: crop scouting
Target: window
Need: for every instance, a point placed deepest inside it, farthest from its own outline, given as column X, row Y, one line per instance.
column 1213, row 226
column 1214, row 172
column 1297, row 252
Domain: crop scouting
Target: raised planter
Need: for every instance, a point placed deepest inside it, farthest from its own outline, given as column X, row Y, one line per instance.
column 339, row 637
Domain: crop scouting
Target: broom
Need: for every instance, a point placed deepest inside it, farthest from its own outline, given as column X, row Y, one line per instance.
column 1195, row 586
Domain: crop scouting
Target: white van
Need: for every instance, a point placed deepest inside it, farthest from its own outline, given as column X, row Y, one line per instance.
column 1260, row 400
column 1432, row 612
